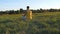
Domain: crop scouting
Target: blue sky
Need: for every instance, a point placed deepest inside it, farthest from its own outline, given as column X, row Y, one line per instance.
column 34, row 4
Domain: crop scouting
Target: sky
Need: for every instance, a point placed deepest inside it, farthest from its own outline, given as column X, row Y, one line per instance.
column 34, row 4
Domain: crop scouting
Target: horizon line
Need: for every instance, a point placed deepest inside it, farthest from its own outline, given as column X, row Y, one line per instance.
column 25, row 9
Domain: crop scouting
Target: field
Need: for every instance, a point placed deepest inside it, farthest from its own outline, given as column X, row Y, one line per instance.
column 42, row 23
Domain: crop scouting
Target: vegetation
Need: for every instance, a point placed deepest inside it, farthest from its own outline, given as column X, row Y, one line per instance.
column 23, row 11
column 42, row 23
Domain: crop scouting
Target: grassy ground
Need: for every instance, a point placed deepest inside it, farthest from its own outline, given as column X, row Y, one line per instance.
column 42, row 23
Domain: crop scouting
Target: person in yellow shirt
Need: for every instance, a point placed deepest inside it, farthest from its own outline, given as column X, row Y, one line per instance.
column 28, row 13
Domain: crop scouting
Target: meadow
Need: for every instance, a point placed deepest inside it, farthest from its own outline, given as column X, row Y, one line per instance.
column 42, row 23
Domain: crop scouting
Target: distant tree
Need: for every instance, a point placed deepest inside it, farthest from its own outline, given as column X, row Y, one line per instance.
column 34, row 11
column 11, row 12
column 41, row 10
column 38, row 10
column 1, row 12
column 21, row 10
column 17, row 12
column 59, row 10
column 51, row 10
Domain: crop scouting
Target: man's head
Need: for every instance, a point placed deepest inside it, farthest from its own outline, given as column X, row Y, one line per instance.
column 27, row 7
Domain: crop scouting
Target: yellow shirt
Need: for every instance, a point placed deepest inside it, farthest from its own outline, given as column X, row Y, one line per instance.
column 29, row 14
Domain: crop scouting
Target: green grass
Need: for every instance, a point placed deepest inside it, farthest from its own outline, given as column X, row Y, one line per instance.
column 42, row 23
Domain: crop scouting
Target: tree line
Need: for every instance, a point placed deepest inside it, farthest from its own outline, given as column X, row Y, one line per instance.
column 34, row 11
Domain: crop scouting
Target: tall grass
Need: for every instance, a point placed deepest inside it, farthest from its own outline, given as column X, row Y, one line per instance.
column 42, row 23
